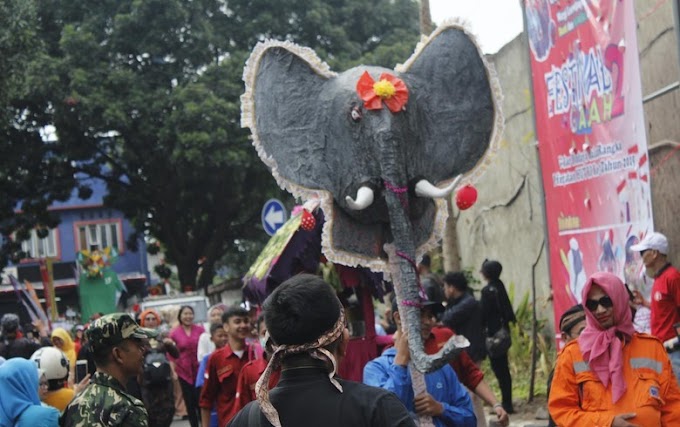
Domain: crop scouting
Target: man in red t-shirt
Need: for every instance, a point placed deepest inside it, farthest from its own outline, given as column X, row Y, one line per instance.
column 665, row 302
column 223, row 368
column 253, row 370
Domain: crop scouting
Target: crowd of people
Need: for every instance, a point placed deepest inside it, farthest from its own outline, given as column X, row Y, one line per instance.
column 162, row 368
column 281, row 367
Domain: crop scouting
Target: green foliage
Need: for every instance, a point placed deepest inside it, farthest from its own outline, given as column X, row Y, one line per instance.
column 33, row 173
column 473, row 280
column 519, row 355
column 145, row 96
column 163, row 271
column 330, row 275
column 18, row 43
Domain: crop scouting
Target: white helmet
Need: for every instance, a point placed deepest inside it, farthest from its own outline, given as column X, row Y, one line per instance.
column 52, row 361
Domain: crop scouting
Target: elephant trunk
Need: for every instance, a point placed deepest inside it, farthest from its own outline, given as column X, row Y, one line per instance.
column 408, row 291
column 402, row 253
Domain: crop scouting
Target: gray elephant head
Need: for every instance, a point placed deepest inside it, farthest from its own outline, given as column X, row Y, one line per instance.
column 379, row 148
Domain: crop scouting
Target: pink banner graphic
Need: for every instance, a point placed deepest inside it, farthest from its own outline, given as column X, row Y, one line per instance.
column 591, row 139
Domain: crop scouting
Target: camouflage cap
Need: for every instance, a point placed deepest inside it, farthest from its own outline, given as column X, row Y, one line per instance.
column 113, row 328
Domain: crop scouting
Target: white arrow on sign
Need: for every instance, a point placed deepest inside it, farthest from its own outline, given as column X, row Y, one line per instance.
column 273, row 217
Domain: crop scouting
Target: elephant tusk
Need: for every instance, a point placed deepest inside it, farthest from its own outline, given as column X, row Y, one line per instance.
column 424, row 188
column 364, row 199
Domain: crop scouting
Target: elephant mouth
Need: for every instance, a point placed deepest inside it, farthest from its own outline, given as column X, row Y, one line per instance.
column 365, row 195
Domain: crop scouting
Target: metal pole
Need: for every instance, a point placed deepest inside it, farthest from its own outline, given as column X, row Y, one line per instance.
column 664, row 90
column 676, row 20
column 544, row 246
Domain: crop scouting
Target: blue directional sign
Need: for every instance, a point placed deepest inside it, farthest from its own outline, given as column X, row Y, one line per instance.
column 273, row 216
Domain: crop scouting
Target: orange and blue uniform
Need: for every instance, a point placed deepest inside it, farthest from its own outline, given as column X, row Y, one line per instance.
column 579, row 398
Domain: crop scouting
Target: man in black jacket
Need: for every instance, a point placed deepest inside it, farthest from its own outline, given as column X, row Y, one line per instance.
column 463, row 314
column 307, row 330
column 12, row 344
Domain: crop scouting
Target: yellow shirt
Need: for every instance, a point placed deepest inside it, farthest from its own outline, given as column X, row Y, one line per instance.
column 60, row 398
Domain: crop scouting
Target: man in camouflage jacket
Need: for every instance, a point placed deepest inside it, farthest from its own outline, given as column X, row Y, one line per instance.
column 118, row 344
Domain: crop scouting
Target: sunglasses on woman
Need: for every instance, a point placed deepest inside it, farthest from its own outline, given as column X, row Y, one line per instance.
column 605, row 302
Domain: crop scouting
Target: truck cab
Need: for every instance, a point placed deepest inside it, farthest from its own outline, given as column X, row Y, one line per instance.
column 199, row 303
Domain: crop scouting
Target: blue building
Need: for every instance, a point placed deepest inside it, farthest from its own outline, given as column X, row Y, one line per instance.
column 85, row 224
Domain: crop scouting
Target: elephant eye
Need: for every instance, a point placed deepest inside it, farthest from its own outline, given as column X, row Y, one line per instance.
column 356, row 114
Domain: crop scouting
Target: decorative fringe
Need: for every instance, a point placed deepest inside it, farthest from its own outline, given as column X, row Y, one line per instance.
column 335, row 255
column 496, row 94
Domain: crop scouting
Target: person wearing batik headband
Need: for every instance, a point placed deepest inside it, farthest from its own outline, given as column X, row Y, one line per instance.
column 572, row 323
column 306, row 325
column 612, row 375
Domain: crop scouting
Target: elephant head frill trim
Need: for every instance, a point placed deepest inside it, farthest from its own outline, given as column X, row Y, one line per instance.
column 326, row 198
column 248, row 120
column 497, row 94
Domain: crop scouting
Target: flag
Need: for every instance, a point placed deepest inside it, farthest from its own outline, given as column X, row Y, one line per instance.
column 29, row 300
column 48, row 286
column 36, row 300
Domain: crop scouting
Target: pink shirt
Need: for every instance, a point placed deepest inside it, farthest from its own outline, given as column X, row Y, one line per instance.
column 186, row 365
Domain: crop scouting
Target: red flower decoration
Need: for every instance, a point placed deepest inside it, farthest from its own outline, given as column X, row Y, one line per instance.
column 390, row 90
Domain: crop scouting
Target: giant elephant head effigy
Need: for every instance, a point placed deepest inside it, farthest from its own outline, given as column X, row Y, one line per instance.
column 380, row 149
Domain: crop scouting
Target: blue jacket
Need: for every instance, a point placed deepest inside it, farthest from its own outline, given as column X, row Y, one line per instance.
column 442, row 384
column 200, row 380
column 200, row 376
column 19, row 402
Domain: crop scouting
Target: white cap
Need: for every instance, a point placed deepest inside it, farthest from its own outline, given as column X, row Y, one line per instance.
column 655, row 241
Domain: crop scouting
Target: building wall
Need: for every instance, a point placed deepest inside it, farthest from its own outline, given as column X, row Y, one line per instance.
column 128, row 261
column 660, row 68
column 507, row 223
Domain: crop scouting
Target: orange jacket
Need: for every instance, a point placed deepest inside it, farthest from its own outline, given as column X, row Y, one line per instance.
column 578, row 398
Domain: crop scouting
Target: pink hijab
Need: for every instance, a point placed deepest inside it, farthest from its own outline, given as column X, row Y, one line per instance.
column 601, row 348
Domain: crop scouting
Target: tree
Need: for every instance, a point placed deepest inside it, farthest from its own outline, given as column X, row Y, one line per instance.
column 33, row 173
column 153, row 105
column 425, row 17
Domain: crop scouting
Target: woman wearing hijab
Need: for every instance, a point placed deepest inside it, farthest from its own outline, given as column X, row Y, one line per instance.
column 612, row 375
column 205, row 344
column 156, row 386
column 63, row 341
column 20, row 402
column 79, row 332
column 497, row 313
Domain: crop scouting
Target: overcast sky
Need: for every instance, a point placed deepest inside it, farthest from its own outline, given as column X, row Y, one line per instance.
column 494, row 22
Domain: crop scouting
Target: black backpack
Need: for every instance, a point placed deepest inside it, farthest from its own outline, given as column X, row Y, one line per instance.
column 156, row 369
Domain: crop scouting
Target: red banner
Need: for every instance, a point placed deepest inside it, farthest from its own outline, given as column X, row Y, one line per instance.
column 591, row 139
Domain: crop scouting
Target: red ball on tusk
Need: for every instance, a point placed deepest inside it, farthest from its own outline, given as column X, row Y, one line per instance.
column 466, row 197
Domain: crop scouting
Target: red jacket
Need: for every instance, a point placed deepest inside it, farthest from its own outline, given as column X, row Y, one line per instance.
column 467, row 371
column 578, row 398
column 250, row 373
column 219, row 388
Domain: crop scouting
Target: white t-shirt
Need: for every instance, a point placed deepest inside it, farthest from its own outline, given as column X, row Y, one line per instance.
column 205, row 346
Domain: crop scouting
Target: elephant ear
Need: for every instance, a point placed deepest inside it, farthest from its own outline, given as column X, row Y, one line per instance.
column 460, row 120
column 283, row 80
